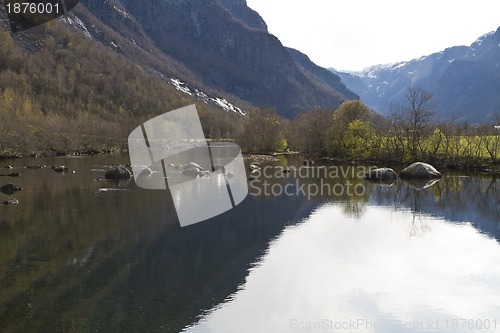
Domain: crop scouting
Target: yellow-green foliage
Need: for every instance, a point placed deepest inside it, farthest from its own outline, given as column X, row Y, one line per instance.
column 473, row 146
column 70, row 93
column 357, row 134
column 358, row 139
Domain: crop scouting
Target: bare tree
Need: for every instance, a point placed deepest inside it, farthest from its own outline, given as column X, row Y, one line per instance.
column 261, row 132
column 412, row 117
column 308, row 132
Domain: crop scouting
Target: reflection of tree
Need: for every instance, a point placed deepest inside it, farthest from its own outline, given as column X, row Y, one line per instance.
column 421, row 226
column 412, row 192
column 354, row 208
column 457, row 198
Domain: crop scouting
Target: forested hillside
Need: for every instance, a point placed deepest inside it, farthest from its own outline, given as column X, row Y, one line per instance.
column 61, row 91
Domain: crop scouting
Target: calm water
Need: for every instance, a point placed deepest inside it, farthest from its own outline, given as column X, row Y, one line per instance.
column 336, row 255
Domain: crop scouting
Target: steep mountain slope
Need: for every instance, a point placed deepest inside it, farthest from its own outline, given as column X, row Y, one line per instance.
column 221, row 45
column 465, row 80
column 62, row 91
column 319, row 73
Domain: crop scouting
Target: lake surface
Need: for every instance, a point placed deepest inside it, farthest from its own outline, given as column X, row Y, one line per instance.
column 311, row 250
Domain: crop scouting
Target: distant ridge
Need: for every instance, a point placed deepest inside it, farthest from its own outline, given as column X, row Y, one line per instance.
column 465, row 80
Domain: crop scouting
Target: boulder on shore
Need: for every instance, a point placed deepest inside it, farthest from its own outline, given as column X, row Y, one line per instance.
column 381, row 174
column 420, row 170
column 120, row 172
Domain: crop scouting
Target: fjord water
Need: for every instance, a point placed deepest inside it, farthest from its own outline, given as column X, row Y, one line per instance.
column 89, row 255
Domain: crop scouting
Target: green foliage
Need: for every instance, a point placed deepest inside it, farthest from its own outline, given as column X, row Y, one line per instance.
column 358, row 140
column 350, row 111
column 346, row 114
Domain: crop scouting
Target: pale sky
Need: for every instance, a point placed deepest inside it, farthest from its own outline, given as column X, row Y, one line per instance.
column 354, row 34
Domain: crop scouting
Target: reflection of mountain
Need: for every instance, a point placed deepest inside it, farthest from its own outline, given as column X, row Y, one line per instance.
column 460, row 199
column 95, row 261
column 67, row 245
column 190, row 270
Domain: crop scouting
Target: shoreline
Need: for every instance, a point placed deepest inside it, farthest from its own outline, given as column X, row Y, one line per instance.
column 485, row 166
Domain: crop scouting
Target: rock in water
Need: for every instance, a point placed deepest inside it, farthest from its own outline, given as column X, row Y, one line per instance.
column 119, row 172
column 35, row 166
column 11, row 202
column 12, row 174
column 10, row 189
column 60, row 168
column 253, row 168
column 192, row 170
column 381, row 174
column 420, row 170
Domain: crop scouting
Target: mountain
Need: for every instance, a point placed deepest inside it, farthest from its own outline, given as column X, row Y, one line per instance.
column 323, row 75
column 465, row 80
column 218, row 46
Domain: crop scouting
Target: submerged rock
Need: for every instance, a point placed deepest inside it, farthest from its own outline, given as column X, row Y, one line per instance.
column 381, row 174
column 120, row 172
column 420, row 170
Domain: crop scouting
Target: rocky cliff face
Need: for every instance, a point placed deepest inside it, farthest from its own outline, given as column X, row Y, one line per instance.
column 465, row 80
column 225, row 45
column 241, row 11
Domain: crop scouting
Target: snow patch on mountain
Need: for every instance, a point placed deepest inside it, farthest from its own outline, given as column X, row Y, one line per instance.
column 77, row 23
column 205, row 98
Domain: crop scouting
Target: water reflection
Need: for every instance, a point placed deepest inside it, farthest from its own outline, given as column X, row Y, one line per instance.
column 457, row 198
column 86, row 255
column 339, row 269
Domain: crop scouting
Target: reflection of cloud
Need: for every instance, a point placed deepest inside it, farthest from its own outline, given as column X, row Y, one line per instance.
column 332, row 267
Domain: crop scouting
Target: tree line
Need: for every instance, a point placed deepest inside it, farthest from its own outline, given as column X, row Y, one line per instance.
column 410, row 132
